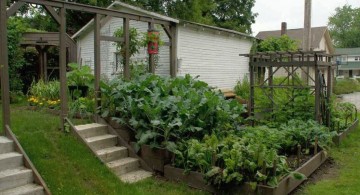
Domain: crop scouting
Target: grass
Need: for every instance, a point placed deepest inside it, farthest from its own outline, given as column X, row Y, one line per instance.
column 68, row 167
column 346, row 86
column 348, row 179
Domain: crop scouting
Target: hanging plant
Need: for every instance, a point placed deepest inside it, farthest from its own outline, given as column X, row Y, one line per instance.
column 153, row 41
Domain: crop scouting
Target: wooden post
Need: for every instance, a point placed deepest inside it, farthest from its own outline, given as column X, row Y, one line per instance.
column 252, row 90
column 151, row 56
column 45, row 63
column 62, row 64
column 317, row 90
column 127, row 48
column 97, row 64
column 329, row 92
column 173, row 50
column 4, row 66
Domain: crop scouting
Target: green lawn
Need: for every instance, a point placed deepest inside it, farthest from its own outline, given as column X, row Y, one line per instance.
column 68, row 167
column 347, row 181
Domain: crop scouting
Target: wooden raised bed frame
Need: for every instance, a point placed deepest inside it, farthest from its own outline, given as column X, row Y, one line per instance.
column 287, row 185
column 340, row 137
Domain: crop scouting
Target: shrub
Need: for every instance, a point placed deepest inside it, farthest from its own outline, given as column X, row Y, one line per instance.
column 346, row 86
column 242, row 88
column 44, row 94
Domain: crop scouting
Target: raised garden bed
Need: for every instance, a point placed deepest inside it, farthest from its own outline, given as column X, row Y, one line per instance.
column 122, row 130
column 340, row 137
column 287, row 185
column 155, row 158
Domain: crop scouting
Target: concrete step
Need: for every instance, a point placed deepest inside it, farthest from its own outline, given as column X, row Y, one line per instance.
column 135, row 176
column 6, row 145
column 12, row 178
column 112, row 153
column 124, row 165
column 92, row 130
column 10, row 160
column 102, row 141
column 28, row 189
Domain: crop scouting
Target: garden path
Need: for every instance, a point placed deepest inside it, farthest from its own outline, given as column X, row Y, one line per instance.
column 352, row 98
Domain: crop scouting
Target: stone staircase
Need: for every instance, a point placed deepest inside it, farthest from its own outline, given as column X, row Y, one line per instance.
column 106, row 147
column 15, row 178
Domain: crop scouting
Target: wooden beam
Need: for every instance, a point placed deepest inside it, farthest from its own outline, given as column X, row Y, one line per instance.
column 52, row 13
column 112, row 39
column 167, row 31
column 96, row 10
column 4, row 67
column 62, row 65
column 126, row 26
column 14, row 8
column 97, row 65
column 173, row 50
column 151, row 26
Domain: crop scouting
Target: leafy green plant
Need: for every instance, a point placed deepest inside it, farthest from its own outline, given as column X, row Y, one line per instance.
column 242, row 88
column 342, row 115
column 80, row 75
column 135, row 43
column 82, row 107
column 163, row 110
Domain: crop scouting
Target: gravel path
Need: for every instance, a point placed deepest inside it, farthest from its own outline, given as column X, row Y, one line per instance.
column 352, row 98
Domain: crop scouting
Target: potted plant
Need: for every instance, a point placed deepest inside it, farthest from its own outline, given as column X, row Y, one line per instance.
column 79, row 80
column 152, row 39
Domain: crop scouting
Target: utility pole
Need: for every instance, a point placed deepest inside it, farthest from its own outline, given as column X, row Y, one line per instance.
column 307, row 26
column 306, row 36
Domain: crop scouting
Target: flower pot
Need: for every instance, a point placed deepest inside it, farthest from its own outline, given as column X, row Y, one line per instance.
column 153, row 43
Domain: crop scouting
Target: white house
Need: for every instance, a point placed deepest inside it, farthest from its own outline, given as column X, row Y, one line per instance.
column 209, row 52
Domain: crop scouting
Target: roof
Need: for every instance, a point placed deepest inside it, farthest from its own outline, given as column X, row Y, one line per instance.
column 155, row 15
column 348, row 51
column 350, row 66
column 297, row 34
column 217, row 28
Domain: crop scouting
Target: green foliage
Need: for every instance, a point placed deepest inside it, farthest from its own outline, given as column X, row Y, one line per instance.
column 344, row 28
column 82, row 107
column 49, row 90
column 44, row 94
column 163, row 111
column 231, row 160
column 342, row 115
column 80, row 75
column 242, row 88
column 235, row 15
column 289, row 103
column 346, row 86
column 283, row 43
column 16, row 27
column 135, row 43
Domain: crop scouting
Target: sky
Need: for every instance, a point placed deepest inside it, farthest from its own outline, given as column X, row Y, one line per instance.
column 273, row 12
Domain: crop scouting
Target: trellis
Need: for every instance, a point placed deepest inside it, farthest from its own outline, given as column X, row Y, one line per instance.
column 299, row 70
column 57, row 10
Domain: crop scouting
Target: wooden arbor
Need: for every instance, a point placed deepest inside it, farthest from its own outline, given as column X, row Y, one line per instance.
column 297, row 70
column 57, row 10
column 42, row 41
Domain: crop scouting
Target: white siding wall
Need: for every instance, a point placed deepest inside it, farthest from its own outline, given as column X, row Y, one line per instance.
column 212, row 56
column 108, row 49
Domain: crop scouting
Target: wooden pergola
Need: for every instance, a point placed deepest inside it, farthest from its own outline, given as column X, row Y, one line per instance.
column 300, row 70
column 57, row 10
column 42, row 41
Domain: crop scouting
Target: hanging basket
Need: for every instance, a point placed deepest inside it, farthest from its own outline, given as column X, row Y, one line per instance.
column 153, row 42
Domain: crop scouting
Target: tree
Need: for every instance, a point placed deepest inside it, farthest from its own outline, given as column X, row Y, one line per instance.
column 283, row 43
column 344, row 27
column 234, row 14
column 230, row 14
